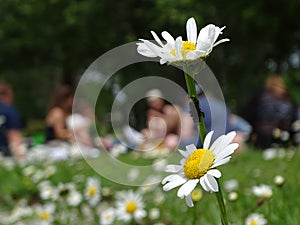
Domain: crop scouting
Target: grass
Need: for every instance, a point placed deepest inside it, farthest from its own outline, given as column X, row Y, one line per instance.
column 247, row 167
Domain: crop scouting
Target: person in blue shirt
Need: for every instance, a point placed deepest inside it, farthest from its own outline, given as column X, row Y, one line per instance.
column 217, row 117
column 10, row 135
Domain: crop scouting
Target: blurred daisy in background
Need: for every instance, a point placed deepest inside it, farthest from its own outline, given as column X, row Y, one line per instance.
column 46, row 190
column 279, row 180
column 255, row 219
column 45, row 213
column 262, row 191
column 107, row 217
column 74, row 198
column 92, row 191
column 130, row 206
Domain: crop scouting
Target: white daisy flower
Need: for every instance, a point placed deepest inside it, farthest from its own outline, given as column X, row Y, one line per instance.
column 195, row 47
column 92, row 191
column 199, row 166
column 233, row 196
column 279, row 180
column 46, row 190
column 263, row 191
column 231, row 185
column 45, row 213
column 107, row 217
column 29, row 170
column 74, row 198
column 130, row 206
column 154, row 214
column 255, row 219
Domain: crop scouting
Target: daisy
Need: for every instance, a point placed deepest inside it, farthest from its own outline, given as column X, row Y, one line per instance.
column 255, row 219
column 199, row 166
column 92, row 191
column 45, row 213
column 174, row 50
column 46, row 190
column 130, row 206
column 262, row 191
column 107, row 217
column 279, row 180
column 74, row 198
column 196, row 195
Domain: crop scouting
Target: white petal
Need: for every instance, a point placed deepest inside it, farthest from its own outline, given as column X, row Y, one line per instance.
column 192, row 55
column 184, row 153
column 182, row 161
column 217, row 32
column 139, row 214
column 172, row 168
column 221, row 162
column 191, row 30
column 144, row 50
column 154, row 48
column 189, row 201
column 173, row 184
column 227, row 139
column 170, row 178
column 203, row 34
column 178, row 46
column 168, row 37
column 216, row 143
column 207, row 140
column 162, row 61
column 157, row 39
column 203, row 184
column 187, row 188
column 227, row 151
column 221, row 41
column 204, row 47
column 211, row 183
column 191, row 148
column 214, row 172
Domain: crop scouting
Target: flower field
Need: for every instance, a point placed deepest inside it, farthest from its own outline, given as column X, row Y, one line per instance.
column 71, row 192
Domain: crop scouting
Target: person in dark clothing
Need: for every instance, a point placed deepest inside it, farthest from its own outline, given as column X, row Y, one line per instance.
column 60, row 109
column 271, row 110
column 10, row 125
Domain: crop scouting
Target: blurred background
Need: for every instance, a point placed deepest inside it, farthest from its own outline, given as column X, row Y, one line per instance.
column 43, row 43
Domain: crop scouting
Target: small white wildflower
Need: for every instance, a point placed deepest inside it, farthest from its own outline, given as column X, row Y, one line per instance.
column 263, row 191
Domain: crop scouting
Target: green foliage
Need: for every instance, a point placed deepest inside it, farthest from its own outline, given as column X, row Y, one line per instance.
column 247, row 167
column 47, row 42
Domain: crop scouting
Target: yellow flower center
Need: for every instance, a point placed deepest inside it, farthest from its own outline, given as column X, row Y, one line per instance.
column 186, row 47
column 198, row 163
column 45, row 216
column 107, row 217
column 131, row 207
column 253, row 222
column 91, row 191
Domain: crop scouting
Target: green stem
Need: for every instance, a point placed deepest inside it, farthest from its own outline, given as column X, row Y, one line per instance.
column 221, row 204
column 190, row 83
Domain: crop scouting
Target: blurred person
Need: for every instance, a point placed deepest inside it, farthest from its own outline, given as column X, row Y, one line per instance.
column 217, row 117
column 80, row 122
column 163, row 119
column 270, row 111
column 60, row 108
column 10, row 125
